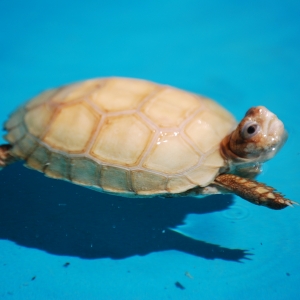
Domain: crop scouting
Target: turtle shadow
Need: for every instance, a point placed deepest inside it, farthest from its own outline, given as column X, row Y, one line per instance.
column 64, row 219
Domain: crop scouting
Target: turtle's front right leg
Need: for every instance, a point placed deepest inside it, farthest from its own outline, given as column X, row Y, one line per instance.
column 253, row 191
column 5, row 157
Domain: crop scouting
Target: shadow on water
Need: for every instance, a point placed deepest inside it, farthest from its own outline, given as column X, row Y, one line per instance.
column 65, row 219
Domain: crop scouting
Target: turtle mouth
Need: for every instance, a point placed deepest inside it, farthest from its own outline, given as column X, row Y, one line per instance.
column 275, row 137
column 275, row 127
column 276, row 132
column 279, row 141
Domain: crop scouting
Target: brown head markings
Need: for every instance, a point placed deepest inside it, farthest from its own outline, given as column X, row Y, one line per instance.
column 257, row 138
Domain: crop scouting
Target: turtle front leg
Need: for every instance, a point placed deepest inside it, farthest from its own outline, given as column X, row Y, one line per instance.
column 5, row 157
column 253, row 191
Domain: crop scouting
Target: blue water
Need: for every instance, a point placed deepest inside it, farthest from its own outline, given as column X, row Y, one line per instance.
column 61, row 241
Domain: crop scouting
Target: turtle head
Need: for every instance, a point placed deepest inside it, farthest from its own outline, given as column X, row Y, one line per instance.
column 257, row 138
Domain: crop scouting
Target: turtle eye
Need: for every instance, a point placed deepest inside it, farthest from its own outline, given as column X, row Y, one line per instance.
column 250, row 129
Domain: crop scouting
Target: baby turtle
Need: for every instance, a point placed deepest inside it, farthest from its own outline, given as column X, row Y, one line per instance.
column 136, row 138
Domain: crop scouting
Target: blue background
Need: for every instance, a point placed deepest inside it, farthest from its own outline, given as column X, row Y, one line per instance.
column 240, row 53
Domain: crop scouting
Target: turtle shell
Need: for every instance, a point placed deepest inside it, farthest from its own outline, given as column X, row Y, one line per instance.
column 121, row 135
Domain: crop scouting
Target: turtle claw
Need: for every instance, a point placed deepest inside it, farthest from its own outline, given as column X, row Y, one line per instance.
column 289, row 204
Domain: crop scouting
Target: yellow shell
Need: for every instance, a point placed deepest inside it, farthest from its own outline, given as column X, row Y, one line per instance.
column 122, row 135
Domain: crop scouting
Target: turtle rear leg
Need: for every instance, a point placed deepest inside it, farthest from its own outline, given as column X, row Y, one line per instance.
column 253, row 191
column 5, row 157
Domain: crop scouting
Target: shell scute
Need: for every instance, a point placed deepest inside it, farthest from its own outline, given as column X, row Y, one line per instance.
column 41, row 98
column 206, row 130
column 170, row 107
column 170, row 154
column 38, row 118
column 147, row 183
column 119, row 94
column 115, row 179
column 202, row 176
column 38, row 158
column 214, row 160
column 15, row 119
column 72, row 128
column 77, row 91
column 179, row 184
column 91, row 174
column 25, row 146
column 122, row 140
column 58, row 166
column 16, row 133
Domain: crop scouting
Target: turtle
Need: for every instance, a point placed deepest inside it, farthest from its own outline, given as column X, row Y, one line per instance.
column 136, row 138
